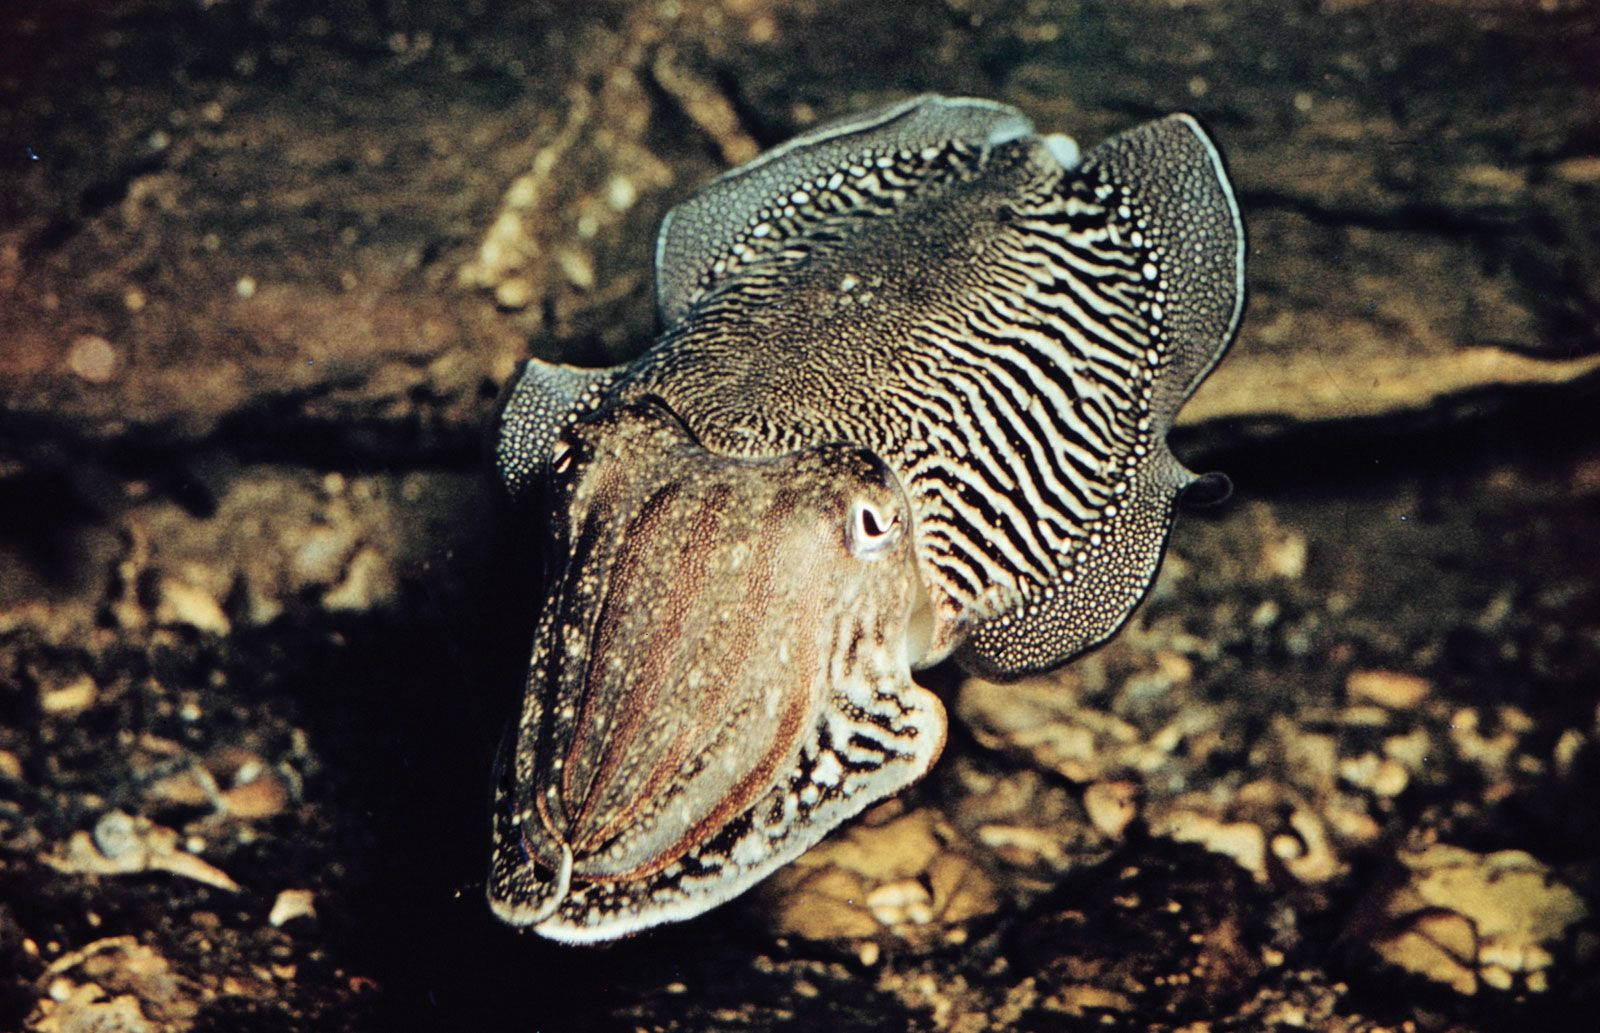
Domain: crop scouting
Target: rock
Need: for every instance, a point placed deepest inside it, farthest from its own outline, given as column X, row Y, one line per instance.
column 191, row 787
column 910, row 879
column 1565, row 754
column 279, row 541
column 1490, row 751
column 189, row 604
column 1305, row 851
column 1357, row 311
column 1111, row 806
column 1042, row 719
column 1312, row 758
column 1387, row 688
column 291, row 904
column 1294, row 388
column 84, row 1009
column 1036, row 830
column 114, row 985
column 1083, row 1000
column 900, row 902
column 321, row 556
column 1379, row 775
column 264, row 795
column 1411, row 751
column 1285, row 555
column 92, row 358
column 368, row 582
column 1472, row 921
column 557, row 246
column 1242, row 841
column 123, row 845
column 71, row 698
column 236, row 783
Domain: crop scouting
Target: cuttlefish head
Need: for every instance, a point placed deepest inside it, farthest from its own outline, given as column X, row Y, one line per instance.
column 720, row 674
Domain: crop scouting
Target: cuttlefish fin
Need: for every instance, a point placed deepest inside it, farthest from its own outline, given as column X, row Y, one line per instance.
column 1172, row 198
column 838, row 171
column 545, row 398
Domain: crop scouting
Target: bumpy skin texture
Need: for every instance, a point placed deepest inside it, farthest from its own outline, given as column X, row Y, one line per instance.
column 911, row 399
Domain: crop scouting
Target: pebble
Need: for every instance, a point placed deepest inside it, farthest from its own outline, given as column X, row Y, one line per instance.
column 621, row 193
column 260, row 606
column 1242, row 841
column 122, row 844
column 1470, row 920
column 368, row 582
column 292, row 904
column 1584, row 171
column 1027, row 846
column 577, row 267
column 1111, row 806
column 1565, row 754
column 1312, row 860
column 1489, row 752
column 92, row 358
column 116, row 836
column 1412, row 750
column 1285, row 556
column 1387, row 688
column 321, row 556
column 263, row 796
column 1379, row 775
column 904, row 877
column 74, row 697
column 187, row 604
column 514, row 294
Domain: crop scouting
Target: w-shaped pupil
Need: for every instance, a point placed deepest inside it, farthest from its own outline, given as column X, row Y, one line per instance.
column 871, row 523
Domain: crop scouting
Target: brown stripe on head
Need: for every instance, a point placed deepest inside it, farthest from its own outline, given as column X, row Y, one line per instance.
column 679, row 580
column 691, row 657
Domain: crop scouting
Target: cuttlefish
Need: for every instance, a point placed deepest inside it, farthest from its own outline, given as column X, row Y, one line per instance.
column 910, row 402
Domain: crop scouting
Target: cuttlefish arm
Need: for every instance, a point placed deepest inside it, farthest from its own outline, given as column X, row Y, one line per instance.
column 720, row 676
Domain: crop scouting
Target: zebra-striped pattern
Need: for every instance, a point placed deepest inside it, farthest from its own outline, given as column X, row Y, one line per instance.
column 1040, row 369
column 997, row 342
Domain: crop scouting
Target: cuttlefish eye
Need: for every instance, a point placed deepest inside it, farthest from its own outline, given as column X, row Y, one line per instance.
column 872, row 528
column 561, row 458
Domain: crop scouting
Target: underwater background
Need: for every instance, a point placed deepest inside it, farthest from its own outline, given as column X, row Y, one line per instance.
column 265, row 267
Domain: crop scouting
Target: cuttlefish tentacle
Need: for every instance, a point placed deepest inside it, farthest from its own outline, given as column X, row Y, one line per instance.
column 910, row 400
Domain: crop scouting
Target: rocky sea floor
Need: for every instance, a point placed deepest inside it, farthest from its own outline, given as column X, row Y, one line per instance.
column 264, row 267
